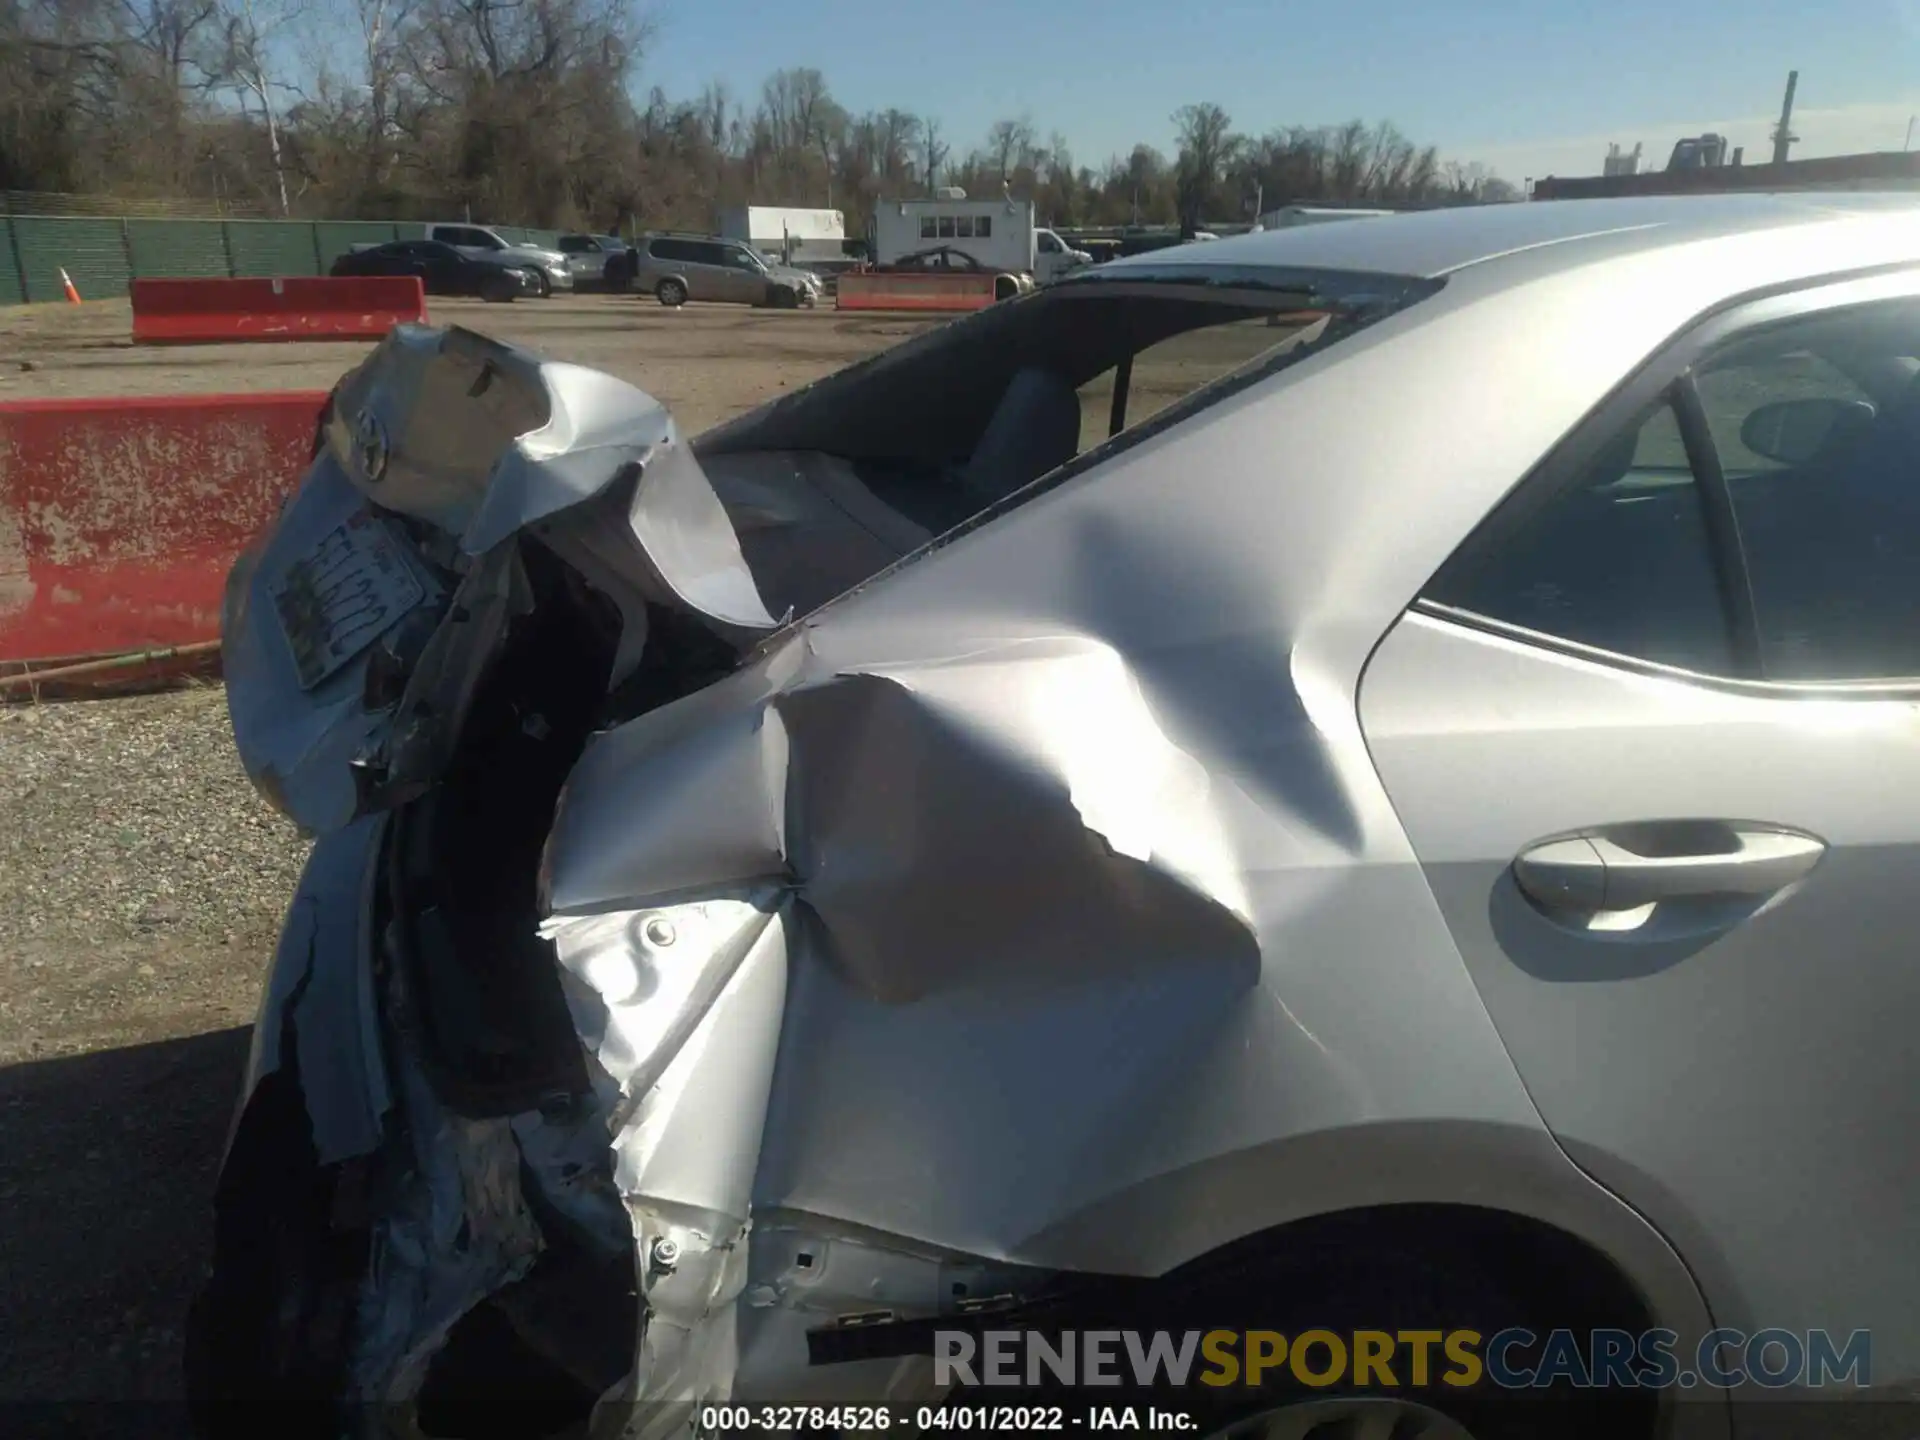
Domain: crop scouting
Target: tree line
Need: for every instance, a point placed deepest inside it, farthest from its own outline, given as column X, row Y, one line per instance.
column 528, row 112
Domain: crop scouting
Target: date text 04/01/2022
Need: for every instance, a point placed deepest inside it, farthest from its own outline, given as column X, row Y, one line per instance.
column 717, row 1420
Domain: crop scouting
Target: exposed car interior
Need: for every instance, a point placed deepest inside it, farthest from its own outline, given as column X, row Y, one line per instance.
column 834, row 483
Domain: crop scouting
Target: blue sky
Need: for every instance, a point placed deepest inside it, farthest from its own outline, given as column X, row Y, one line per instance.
column 1530, row 89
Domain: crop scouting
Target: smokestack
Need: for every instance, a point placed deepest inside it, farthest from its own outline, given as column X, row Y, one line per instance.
column 1783, row 135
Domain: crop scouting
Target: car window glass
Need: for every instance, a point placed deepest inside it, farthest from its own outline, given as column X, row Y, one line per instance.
column 1619, row 559
column 983, row 226
column 574, row 244
column 738, row 259
column 1830, row 523
column 927, row 228
column 946, row 227
column 963, row 227
column 1173, row 369
column 1049, row 245
column 1734, row 388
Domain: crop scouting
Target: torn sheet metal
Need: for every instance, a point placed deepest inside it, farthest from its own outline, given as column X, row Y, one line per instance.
column 478, row 441
column 1090, row 886
column 322, row 980
column 680, row 1006
column 461, row 1230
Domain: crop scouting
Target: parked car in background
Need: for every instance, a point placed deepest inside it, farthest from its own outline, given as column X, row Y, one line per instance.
column 949, row 260
column 442, row 269
column 549, row 267
column 602, row 261
column 678, row 268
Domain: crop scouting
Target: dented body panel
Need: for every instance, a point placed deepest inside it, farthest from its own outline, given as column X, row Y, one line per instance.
column 1021, row 905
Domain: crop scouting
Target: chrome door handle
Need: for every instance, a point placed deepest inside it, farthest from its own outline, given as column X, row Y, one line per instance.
column 1595, row 872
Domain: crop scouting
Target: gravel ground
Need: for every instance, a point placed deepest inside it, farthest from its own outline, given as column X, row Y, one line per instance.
column 133, row 855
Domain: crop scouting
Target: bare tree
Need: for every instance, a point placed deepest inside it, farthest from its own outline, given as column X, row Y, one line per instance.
column 1207, row 144
column 935, row 151
column 245, row 65
column 523, row 112
column 1010, row 142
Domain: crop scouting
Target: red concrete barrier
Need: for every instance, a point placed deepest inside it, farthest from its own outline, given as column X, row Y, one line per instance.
column 878, row 290
column 201, row 312
column 119, row 519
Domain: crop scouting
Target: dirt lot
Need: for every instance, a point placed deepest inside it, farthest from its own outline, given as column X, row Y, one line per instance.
column 704, row 362
column 141, row 881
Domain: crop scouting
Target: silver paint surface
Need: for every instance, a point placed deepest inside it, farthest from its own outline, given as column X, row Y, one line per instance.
column 1053, row 910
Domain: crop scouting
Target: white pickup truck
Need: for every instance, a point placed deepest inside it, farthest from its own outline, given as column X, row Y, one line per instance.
column 550, row 266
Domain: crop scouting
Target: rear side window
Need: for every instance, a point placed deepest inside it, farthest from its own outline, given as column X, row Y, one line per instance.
column 1620, row 560
column 1170, row 370
column 1777, row 537
column 669, row 249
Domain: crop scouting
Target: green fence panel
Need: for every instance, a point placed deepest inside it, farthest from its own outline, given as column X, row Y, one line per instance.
column 12, row 291
column 103, row 254
column 264, row 248
column 177, row 249
column 93, row 252
column 336, row 237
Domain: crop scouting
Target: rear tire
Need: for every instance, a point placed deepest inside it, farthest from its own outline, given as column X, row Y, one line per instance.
column 1346, row 1287
column 499, row 289
column 671, row 293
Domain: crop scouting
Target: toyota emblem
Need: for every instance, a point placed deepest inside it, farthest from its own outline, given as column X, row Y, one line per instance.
column 370, row 442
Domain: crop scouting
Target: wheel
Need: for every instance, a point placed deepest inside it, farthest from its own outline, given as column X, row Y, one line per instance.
column 1362, row 1283
column 1005, row 287
column 786, row 299
column 499, row 289
column 542, row 286
column 671, row 293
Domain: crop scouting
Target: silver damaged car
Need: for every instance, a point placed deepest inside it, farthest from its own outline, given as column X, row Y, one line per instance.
column 1410, row 828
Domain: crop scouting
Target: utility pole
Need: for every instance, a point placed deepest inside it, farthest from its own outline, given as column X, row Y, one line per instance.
column 1783, row 135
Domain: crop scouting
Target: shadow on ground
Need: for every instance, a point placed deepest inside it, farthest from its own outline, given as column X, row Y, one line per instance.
column 107, row 1169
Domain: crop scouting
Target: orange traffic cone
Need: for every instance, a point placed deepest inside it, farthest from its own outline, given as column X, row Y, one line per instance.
column 66, row 284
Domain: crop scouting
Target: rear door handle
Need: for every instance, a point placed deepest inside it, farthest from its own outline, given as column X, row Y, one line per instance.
column 1593, row 872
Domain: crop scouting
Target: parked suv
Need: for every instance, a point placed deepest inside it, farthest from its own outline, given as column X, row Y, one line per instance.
column 679, row 268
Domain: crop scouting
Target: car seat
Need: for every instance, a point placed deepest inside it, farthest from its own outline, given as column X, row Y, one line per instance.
column 1034, row 429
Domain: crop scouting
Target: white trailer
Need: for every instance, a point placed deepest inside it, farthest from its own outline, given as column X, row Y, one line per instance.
column 785, row 235
column 999, row 234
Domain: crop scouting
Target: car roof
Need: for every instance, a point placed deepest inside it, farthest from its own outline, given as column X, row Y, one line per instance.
column 1435, row 243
